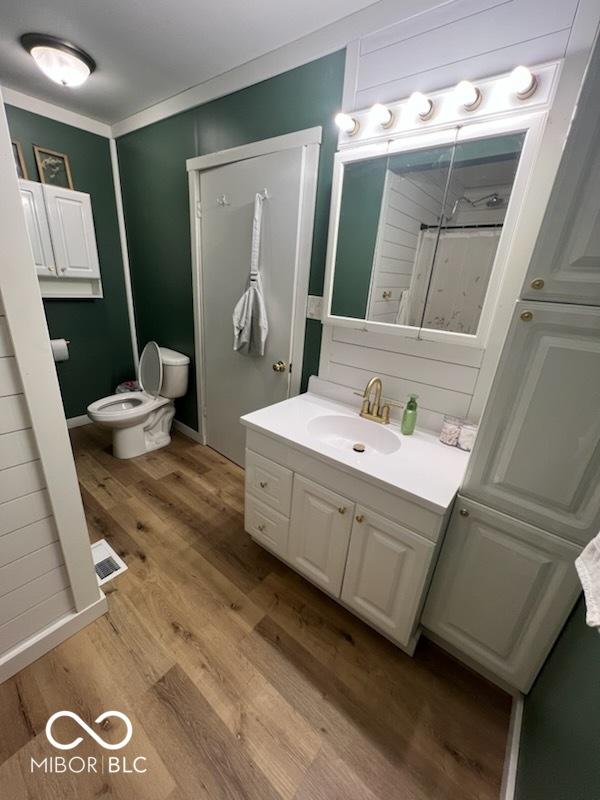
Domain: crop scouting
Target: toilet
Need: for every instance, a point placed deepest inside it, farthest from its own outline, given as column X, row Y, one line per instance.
column 141, row 421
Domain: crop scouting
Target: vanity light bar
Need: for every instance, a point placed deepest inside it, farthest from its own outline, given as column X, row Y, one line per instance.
column 522, row 82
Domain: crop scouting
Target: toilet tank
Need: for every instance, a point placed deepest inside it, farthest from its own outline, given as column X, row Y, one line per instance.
column 175, row 367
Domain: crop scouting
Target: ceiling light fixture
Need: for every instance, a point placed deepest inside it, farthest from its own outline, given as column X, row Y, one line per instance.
column 467, row 95
column 62, row 62
column 420, row 105
column 381, row 115
column 347, row 124
column 523, row 82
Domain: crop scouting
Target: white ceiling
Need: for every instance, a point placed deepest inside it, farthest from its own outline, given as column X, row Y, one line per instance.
column 148, row 50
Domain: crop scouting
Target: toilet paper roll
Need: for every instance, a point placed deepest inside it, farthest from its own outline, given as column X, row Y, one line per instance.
column 60, row 349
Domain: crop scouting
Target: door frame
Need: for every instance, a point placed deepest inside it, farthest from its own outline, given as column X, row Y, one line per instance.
column 309, row 140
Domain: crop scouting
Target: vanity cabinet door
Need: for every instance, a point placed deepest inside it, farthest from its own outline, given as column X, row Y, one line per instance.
column 385, row 573
column 319, row 533
column 501, row 592
column 565, row 266
column 34, row 209
column 72, row 231
column 537, row 456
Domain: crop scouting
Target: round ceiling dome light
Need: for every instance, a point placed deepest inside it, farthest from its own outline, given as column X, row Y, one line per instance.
column 61, row 61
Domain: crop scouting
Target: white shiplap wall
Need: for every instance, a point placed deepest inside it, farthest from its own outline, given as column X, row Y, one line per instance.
column 34, row 586
column 461, row 39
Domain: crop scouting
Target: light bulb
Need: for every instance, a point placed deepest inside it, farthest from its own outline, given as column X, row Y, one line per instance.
column 346, row 123
column 381, row 115
column 61, row 67
column 420, row 105
column 523, row 82
column 467, row 95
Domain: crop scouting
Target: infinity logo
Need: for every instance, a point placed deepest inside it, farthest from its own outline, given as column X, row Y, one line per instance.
column 87, row 729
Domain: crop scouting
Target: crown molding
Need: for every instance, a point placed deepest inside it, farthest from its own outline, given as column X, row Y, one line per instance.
column 45, row 109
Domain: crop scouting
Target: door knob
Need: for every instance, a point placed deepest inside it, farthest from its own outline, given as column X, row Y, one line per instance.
column 279, row 366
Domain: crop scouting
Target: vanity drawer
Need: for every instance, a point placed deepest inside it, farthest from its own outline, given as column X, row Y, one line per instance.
column 268, row 481
column 268, row 527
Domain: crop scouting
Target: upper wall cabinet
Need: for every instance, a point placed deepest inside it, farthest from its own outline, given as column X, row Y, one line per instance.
column 537, row 456
column 566, row 261
column 63, row 241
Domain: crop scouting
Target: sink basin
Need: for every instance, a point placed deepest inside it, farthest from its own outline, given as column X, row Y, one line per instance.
column 344, row 432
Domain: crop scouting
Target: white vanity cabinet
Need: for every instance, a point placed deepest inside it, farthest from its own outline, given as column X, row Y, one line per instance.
column 501, row 592
column 386, row 573
column 537, row 456
column 321, row 520
column 61, row 231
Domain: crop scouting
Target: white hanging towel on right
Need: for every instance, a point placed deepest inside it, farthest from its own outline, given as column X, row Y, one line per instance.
column 588, row 568
column 250, row 322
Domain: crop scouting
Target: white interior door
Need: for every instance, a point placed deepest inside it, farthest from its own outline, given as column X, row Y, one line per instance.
column 235, row 384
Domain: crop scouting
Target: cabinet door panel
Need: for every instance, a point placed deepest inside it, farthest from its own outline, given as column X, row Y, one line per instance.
column 501, row 591
column 36, row 221
column 319, row 533
column 537, row 456
column 72, row 232
column 385, row 573
column 567, row 253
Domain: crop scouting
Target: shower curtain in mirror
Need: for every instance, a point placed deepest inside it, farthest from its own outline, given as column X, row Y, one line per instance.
column 448, row 293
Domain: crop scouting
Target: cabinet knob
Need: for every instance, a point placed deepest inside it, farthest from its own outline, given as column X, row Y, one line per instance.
column 261, row 527
column 538, row 283
column 360, row 517
column 342, row 509
column 463, row 512
column 526, row 316
column 262, row 484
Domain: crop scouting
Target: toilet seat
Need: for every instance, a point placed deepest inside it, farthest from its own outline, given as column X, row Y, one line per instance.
column 126, row 408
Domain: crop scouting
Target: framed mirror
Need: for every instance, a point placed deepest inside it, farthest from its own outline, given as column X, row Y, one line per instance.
column 421, row 229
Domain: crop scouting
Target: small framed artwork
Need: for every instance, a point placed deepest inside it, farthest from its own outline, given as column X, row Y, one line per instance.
column 19, row 160
column 54, row 168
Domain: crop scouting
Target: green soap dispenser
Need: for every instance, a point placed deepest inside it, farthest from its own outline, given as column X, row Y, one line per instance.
column 409, row 417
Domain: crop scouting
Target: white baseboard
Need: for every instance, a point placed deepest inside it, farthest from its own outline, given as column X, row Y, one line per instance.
column 511, row 760
column 77, row 422
column 189, row 432
column 31, row 649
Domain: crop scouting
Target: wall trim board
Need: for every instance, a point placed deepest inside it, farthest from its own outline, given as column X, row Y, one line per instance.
column 294, row 54
column 57, row 113
column 28, row 330
column 77, row 422
column 114, row 158
column 513, row 743
column 187, row 431
column 254, row 149
column 43, row 641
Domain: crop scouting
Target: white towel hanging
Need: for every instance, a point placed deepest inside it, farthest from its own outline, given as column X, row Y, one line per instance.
column 588, row 568
column 250, row 322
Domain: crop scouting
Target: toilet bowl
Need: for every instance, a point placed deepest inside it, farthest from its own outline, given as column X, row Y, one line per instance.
column 141, row 421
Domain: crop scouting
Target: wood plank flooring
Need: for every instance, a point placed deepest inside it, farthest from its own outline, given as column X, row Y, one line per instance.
column 241, row 679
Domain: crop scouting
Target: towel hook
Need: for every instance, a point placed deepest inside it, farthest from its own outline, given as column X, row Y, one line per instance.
column 265, row 194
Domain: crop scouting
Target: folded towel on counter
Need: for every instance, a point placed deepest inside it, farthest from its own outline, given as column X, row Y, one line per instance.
column 588, row 568
column 250, row 322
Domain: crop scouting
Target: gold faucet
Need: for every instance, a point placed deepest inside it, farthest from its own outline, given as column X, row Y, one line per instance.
column 374, row 411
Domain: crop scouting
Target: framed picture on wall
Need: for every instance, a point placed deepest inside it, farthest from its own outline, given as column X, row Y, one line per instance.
column 54, row 168
column 19, row 160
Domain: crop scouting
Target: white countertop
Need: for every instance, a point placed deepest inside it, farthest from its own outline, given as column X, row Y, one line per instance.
column 422, row 469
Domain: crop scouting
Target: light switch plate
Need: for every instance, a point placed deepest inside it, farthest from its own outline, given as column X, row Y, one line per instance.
column 314, row 308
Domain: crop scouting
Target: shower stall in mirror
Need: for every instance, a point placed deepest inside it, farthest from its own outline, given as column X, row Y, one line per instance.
column 417, row 233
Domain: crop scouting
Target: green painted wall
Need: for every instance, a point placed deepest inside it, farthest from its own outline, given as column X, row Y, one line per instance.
column 559, row 757
column 100, row 350
column 357, row 236
column 155, row 195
